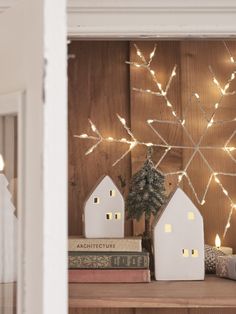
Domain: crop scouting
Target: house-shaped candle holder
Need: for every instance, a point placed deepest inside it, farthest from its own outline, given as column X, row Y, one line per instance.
column 104, row 211
column 178, row 238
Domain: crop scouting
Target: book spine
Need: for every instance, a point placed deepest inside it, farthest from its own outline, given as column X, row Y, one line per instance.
column 108, row 260
column 104, row 245
column 108, row 275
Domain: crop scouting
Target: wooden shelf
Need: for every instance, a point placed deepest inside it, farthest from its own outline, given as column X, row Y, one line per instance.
column 212, row 293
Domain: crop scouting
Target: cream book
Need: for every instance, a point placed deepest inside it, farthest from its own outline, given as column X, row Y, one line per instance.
column 129, row 244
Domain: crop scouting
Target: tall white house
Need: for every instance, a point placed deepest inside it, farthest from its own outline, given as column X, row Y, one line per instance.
column 104, row 211
column 178, row 237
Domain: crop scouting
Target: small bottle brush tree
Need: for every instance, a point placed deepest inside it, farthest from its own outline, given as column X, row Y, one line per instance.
column 146, row 193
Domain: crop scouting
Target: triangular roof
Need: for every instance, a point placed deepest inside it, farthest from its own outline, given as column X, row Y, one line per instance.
column 162, row 209
column 97, row 184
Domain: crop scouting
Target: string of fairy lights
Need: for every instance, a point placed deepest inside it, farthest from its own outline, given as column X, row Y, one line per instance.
column 196, row 147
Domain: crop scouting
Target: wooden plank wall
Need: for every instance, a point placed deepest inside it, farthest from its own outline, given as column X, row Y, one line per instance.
column 148, row 106
column 98, row 89
column 100, row 85
column 193, row 59
column 195, row 76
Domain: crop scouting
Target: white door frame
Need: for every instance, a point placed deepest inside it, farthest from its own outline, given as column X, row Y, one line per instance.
column 14, row 104
column 33, row 58
column 117, row 19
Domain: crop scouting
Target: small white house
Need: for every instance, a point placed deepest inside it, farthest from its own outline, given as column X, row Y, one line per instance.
column 178, row 239
column 104, row 211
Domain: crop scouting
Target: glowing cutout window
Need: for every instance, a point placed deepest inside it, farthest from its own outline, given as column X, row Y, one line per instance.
column 118, row 216
column 109, row 216
column 191, row 216
column 168, row 228
column 195, row 253
column 96, row 200
column 112, row 193
column 185, row 252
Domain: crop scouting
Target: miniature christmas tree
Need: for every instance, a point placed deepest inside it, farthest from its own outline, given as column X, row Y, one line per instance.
column 146, row 194
column 8, row 230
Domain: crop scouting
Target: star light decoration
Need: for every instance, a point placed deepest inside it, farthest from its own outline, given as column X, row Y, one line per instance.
column 161, row 91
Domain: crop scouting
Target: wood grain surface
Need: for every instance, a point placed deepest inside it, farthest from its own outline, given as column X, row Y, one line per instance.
column 162, row 311
column 211, row 293
column 193, row 76
column 147, row 106
column 100, row 86
column 152, row 311
column 98, row 89
column 101, row 311
column 212, row 311
column 196, row 77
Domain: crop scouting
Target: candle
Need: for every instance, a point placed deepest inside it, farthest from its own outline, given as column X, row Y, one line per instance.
column 226, row 250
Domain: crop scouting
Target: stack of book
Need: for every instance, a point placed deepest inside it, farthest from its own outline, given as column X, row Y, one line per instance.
column 108, row 260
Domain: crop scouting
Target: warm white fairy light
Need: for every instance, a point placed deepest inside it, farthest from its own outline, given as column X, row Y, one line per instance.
column 84, row 136
column 173, row 72
column 217, row 180
column 197, row 147
column 139, row 53
column 210, row 123
column 224, row 89
column 231, row 58
column 152, row 54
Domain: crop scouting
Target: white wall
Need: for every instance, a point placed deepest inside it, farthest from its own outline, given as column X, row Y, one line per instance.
column 36, row 63
column 21, row 68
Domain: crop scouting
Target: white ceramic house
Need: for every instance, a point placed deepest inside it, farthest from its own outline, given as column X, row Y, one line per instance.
column 104, row 211
column 178, row 238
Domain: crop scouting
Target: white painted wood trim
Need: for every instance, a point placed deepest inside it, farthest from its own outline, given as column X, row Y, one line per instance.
column 9, row 153
column 10, row 103
column 14, row 103
column 151, row 18
column 55, row 163
column 148, row 18
column 33, row 58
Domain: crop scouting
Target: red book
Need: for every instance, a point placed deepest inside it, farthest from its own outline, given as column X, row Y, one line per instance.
column 109, row 275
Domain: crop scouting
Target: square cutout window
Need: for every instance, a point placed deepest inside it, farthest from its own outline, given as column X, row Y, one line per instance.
column 185, row 252
column 168, row 228
column 191, row 216
column 96, row 200
column 108, row 216
column 194, row 253
column 118, row 216
column 112, row 193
